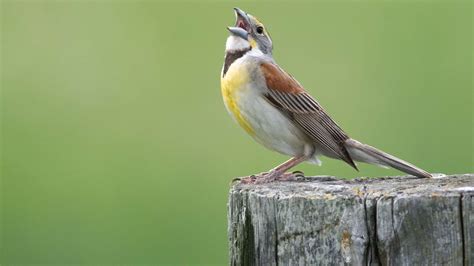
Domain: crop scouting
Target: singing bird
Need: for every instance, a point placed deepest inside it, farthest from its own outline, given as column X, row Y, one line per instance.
column 273, row 108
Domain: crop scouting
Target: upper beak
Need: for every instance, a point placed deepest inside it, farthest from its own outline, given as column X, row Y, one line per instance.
column 242, row 24
column 241, row 15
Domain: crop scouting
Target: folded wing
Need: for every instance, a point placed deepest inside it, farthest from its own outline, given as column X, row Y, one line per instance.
column 286, row 94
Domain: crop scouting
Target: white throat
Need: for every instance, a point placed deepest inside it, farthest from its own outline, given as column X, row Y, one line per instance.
column 235, row 43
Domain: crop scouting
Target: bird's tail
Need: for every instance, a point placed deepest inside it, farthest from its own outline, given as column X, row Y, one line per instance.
column 368, row 154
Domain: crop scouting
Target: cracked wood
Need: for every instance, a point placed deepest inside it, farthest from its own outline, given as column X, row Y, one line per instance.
column 380, row 221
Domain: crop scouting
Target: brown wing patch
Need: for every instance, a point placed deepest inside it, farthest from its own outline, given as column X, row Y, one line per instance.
column 278, row 80
column 286, row 94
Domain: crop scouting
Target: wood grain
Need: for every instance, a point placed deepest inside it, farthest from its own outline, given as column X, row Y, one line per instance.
column 382, row 221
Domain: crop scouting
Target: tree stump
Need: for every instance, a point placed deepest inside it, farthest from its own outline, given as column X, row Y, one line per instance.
column 382, row 221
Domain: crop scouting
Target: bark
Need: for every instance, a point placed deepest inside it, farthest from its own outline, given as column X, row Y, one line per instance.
column 381, row 221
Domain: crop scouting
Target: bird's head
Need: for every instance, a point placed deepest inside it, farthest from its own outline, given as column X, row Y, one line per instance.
column 248, row 33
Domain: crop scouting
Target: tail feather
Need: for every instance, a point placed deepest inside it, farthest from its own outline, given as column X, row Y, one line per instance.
column 368, row 154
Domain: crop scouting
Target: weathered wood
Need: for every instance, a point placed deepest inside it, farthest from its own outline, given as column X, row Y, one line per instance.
column 381, row 221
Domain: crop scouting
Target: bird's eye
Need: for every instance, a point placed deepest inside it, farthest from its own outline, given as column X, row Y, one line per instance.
column 260, row 30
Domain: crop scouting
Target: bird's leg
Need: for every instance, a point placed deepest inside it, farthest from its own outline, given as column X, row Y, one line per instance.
column 279, row 171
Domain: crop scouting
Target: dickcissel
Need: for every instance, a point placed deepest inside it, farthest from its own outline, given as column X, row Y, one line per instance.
column 273, row 108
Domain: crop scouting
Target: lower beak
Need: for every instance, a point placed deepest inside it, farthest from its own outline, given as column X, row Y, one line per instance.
column 239, row 32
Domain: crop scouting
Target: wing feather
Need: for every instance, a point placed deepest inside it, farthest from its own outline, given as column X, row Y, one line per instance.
column 290, row 97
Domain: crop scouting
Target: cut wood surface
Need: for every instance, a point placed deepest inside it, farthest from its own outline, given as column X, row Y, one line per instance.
column 381, row 221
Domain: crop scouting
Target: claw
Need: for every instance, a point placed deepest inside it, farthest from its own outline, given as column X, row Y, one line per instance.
column 248, row 179
column 235, row 180
column 269, row 177
column 298, row 173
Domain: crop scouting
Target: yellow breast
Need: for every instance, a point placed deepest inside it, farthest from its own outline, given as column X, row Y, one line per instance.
column 233, row 85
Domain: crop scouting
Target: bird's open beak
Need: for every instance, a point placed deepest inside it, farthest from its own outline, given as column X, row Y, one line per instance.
column 239, row 32
column 242, row 24
column 242, row 19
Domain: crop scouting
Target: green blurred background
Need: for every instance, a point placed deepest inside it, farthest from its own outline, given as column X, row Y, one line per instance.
column 116, row 147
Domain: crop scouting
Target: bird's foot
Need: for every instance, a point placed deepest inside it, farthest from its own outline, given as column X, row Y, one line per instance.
column 274, row 176
column 251, row 179
column 271, row 176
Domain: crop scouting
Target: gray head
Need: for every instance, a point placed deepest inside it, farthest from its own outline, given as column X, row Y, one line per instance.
column 248, row 33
